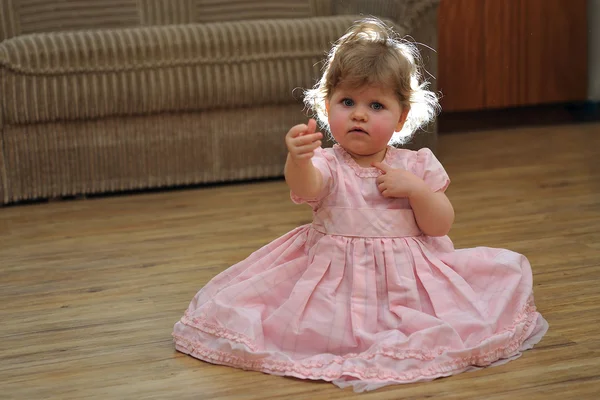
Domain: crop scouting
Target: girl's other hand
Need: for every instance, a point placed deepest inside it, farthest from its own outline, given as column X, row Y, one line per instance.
column 397, row 182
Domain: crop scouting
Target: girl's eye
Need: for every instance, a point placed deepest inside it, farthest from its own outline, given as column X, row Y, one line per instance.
column 377, row 106
column 347, row 102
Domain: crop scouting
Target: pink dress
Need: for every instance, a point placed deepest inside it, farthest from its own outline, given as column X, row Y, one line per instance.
column 360, row 297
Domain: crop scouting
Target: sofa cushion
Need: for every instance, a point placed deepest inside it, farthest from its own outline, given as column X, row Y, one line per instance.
column 91, row 74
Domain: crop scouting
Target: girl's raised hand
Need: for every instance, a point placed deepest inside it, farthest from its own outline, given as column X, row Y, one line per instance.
column 302, row 141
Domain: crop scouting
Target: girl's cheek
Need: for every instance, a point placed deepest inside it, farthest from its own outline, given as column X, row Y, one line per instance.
column 379, row 126
column 336, row 121
column 384, row 124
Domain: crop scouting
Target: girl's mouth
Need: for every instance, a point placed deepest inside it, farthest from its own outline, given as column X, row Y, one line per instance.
column 358, row 130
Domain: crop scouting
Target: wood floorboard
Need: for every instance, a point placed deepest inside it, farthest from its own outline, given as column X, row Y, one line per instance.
column 90, row 288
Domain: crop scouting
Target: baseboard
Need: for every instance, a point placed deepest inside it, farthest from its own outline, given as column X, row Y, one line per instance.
column 549, row 114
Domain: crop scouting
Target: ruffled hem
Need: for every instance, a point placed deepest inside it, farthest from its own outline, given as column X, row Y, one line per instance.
column 207, row 327
column 364, row 367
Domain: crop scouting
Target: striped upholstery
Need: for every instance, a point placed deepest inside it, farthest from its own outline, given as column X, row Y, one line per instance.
column 237, row 10
column 165, row 12
column 9, row 21
column 128, row 153
column 75, row 75
column 56, row 15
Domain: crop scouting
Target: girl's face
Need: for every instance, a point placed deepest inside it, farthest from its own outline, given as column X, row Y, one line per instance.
column 363, row 120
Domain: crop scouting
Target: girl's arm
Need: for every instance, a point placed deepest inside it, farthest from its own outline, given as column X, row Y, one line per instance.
column 302, row 177
column 433, row 211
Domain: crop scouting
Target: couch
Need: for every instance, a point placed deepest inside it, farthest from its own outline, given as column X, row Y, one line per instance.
column 101, row 96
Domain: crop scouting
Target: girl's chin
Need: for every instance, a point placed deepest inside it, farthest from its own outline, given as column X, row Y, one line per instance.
column 362, row 151
column 361, row 142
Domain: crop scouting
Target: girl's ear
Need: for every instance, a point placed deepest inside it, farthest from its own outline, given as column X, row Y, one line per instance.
column 402, row 120
column 327, row 106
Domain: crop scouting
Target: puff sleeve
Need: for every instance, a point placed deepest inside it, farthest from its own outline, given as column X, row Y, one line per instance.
column 325, row 163
column 428, row 168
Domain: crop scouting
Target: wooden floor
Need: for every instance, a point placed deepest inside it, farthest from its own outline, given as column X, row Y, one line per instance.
column 90, row 289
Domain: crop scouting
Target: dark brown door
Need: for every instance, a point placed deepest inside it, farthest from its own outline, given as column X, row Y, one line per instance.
column 497, row 54
column 460, row 56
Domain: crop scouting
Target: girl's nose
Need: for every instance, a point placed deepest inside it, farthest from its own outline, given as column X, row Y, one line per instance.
column 359, row 114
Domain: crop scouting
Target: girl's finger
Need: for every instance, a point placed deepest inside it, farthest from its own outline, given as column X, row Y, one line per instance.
column 297, row 130
column 306, row 139
column 307, row 148
column 382, row 167
column 310, row 128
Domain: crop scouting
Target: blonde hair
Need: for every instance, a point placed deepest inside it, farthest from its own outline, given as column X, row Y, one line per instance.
column 371, row 53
